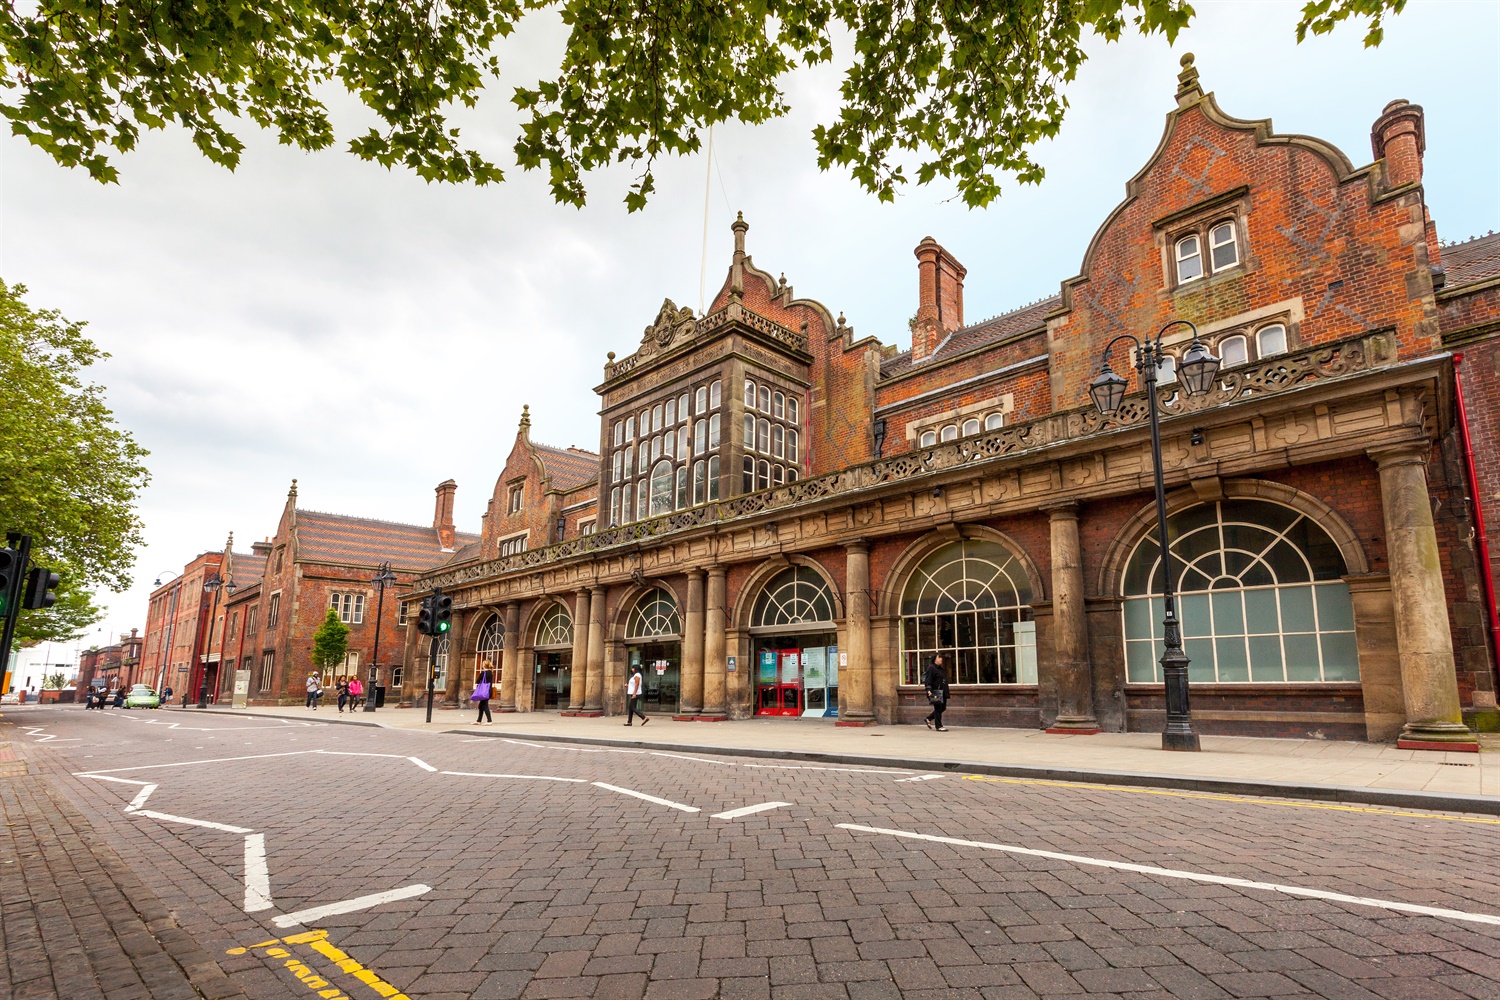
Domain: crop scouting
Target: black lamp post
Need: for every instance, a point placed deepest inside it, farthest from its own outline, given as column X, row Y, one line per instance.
column 1198, row 372
column 212, row 585
column 166, row 642
column 383, row 577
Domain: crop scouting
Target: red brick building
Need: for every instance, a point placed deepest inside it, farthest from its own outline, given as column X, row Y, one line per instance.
column 316, row 561
column 114, row 666
column 792, row 520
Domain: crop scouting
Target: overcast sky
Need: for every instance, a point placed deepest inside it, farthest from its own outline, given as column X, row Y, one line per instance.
column 275, row 322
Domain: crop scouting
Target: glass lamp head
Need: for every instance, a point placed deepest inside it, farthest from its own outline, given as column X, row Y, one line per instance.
column 1199, row 369
column 1107, row 390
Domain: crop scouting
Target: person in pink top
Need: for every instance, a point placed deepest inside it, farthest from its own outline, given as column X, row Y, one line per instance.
column 356, row 692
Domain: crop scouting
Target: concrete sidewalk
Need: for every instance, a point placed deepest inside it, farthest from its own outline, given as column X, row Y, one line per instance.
column 1105, row 757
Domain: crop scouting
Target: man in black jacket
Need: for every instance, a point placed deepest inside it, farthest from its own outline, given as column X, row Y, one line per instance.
column 936, row 683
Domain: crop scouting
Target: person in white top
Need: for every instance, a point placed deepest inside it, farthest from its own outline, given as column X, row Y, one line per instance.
column 633, row 698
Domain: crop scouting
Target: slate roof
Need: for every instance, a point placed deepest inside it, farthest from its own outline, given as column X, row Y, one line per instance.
column 969, row 337
column 249, row 568
column 1472, row 260
column 338, row 538
column 568, row 467
column 465, row 552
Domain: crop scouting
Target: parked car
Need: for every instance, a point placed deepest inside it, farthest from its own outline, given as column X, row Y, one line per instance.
column 142, row 696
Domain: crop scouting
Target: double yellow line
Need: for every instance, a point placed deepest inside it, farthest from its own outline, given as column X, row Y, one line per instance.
column 318, row 942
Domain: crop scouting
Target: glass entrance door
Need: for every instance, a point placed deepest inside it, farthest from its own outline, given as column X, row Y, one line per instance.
column 554, row 681
column 661, row 668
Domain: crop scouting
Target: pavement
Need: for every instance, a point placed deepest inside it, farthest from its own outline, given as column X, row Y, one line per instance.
column 352, row 862
column 1345, row 771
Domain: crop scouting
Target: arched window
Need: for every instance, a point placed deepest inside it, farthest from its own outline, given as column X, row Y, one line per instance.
column 949, row 433
column 661, row 488
column 555, row 628
column 1270, row 340
column 682, row 407
column 700, row 436
column 762, row 475
column 778, row 441
column 749, row 432
column 791, row 446
column 614, row 506
column 713, row 432
column 778, row 405
column 765, row 399
column 1261, row 598
column 682, row 441
column 1189, row 259
column 778, row 475
column 654, row 614
column 700, row 399
column 627, row 508
column 671, row 416
column 928, row 439
column 749, row 395
column 642, row 508
column 971, row 602
column 1223, row 246
column 1233, row 351
column 698, row 494
column 1166, row 369
column 971, row 426
column 713, row 477
column 619, row 433
column 630, row 428
column 791, row 409
column 749, row 475
column 440, row 665
column 795, row 596
column 491, row 642
column 713, row 396
column 682, row 486
column 994, row 421
column 669, row 444
column 656, row 423
column 763, row 436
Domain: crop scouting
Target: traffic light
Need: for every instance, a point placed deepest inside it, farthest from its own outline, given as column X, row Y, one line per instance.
column 442, row 617
column 424, row 617
column 10, row 574
column 41, row 587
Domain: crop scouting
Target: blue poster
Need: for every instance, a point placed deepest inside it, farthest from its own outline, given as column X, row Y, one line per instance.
column 768, row 666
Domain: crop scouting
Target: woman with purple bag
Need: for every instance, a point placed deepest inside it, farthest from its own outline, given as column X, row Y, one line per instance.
column 482, row 690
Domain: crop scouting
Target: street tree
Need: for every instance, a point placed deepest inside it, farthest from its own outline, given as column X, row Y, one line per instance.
column 330, row 643
column 69, row 475
column 54, row 682
column 931, row 88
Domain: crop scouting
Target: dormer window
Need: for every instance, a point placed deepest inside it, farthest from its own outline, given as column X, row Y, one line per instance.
column 516, row 494
column 1189, row 259
column 1223, row 246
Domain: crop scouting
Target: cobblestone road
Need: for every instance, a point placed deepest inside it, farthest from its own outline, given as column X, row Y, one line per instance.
column 532, row 871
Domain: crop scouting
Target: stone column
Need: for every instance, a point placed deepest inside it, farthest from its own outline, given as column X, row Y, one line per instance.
column 692, row 649
column 1070, row 635
column 856, row 686
column 594, row 676
column 579, row 667
column 714, row 688
column 1429, row 682
column 510, row 657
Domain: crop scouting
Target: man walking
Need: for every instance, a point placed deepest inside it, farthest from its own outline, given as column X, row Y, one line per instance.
column 314, row 688
column 633, row 698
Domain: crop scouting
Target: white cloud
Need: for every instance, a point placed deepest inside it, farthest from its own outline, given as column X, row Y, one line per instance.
column 277, row 322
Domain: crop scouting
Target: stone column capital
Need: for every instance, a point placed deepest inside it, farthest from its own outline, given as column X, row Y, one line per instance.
column 696, row 573
column 858, row 545
column 1408, row 453
column 1062, row 510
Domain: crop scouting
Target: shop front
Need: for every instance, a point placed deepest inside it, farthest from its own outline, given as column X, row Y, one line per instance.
column 552, row 683
column 795, row 646
column 653, row 641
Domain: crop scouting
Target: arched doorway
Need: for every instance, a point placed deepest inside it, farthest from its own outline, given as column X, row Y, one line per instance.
column 653, row 638
column 554, row 659
column 489, row 648
column 795, row 645
column 1261, row 598
column 970, row 601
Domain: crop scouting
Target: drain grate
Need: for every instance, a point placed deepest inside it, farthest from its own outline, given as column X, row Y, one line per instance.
column 1449, row 763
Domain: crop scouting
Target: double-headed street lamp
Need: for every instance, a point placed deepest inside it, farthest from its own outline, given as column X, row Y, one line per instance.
column 166, row 642
column 1198, row 372
column 383, row 577
column 212, row 585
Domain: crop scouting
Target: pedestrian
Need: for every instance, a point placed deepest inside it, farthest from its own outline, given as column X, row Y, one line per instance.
column 314, row 688
column 166, row 695
column 936, row 683
column 119, row 697
column 633, row 698
column 343, row 689
column 483, row 688
column 356, row 693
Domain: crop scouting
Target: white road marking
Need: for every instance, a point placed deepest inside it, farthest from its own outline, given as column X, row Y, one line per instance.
column 530, row 777
column 816, row 767
column 393, row 756
column 32, row 731
column 1239, row 883
column 570, row 749
column 208, row 729
column 422, row 764
column 648, row 798
column 749, row 810
column 189, row 821
column 257, row 875
column 922, row 777
column 315, row 913
column 186, row 763
column 681, row 756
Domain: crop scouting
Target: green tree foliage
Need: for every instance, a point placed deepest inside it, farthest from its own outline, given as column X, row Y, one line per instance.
column 330, row 642
column 69, row 475
column 54, row 681
column 961, row 90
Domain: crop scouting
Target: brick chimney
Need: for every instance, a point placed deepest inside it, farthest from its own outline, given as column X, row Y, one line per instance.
column 442, row 514
column 1399, row 138
column 261, row 548
column 940, row 298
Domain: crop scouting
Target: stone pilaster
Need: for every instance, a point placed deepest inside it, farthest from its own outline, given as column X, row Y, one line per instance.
column 692, row 649
column 856, row 683
column 714, row 681
column 579, row 666
column 1070, row 635
column 510, row 657
column 593, row 692
column 1429, row 681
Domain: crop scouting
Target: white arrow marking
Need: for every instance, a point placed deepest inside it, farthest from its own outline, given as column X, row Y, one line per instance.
column 1239, row 883
column 749, row 810
column 316, row 913
column 648, row 798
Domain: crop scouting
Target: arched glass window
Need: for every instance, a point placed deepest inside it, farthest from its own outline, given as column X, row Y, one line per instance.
column 618, row 464
column 555, row 627
column 749, row 432
column 682, row 407
column 791, row 473
column 949, row 432
column 791, row 409
column 994, row 421
column 971, row 426
column 671, row 416
column 656, row 423
column 791, row 446
column 656, row 447
column 619, row 433
column 713, row 431
column 614, row 506
column 778, row 405
column 682, row 486
column 1223, row 246
column 1261, row 598
column 698, row 494
column 928, row 439
column 1189, row 259
column 682, row 441
column 700, row 436
column 713, row 396
column 491, row 642
column 749, row 395
column 713, row 477
column 795, row 596
column 627, row 508
column 630, row 428
column 765, row 399
column 763, row 436
column 700, row 399
column 669, row 444
column 1271, row 340
column 645, row 423
column 440, row 665
column 654, row 614
column 971, row 602
column 749, row 474
column 1233, row 351
column 762, row 475
column 661, row 488
column 642, row 508
column 1166, row 369
column 778, row 441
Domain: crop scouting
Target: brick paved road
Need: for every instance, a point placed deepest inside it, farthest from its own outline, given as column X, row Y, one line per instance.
column 546, row 888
